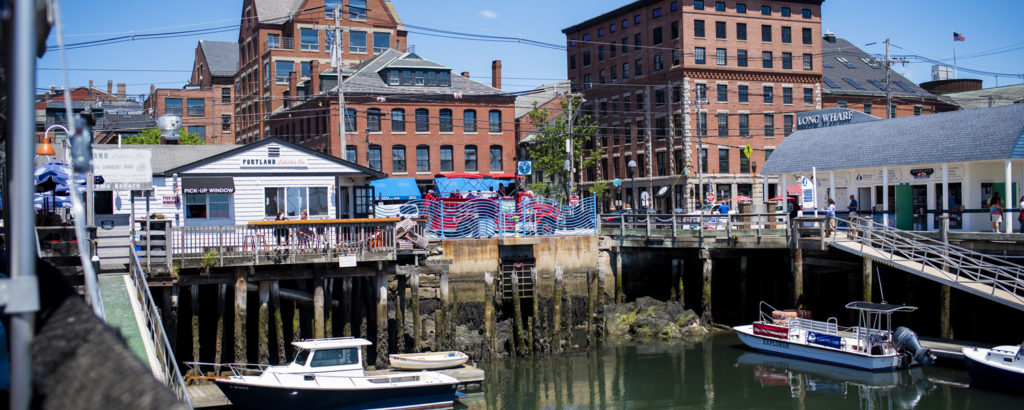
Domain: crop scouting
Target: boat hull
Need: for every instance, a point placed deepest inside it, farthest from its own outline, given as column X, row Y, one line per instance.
column 257, row 397
column 783, row 347
column 992, row 377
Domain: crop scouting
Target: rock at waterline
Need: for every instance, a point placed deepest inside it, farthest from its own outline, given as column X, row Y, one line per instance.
column 650, row 318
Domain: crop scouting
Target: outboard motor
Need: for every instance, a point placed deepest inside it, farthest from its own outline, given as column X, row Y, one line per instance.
column 906, row 340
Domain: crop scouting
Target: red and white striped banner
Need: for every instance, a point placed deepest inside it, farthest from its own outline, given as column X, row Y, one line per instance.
column 771, row 331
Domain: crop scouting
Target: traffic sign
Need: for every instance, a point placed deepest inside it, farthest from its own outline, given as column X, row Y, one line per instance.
column 574, row 200
column 747, row 151
column 524, row 168
column 709, row 197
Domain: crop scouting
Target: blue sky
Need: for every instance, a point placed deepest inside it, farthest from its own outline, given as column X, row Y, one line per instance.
column 918, row 27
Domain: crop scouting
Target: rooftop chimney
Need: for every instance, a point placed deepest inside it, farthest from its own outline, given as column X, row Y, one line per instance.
column 110, row 87
column 314, row 78
column 496, row 74
column 465, row 74
column 830, row 37
column 90, row 84
column 122, row 90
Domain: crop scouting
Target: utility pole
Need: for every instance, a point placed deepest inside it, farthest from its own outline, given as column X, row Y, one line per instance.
column 336, row 62
column 671, row 144
column 700, row 147
column 888, row 87
column 569, row 164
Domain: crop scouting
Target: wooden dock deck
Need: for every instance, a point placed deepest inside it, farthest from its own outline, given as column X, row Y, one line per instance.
column 209, row 395
column 948, row 349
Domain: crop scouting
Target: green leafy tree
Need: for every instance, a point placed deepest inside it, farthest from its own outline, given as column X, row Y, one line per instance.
column 548, row 150
column 151, row 136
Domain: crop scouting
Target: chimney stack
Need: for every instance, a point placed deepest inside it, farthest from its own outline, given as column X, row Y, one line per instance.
column 122, row 90
column 90, row 85
column 314, row 78
column 110, row 87
column 465, row 74
column 496, row 74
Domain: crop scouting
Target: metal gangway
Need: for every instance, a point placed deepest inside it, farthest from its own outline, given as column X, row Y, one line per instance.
column 983, row 275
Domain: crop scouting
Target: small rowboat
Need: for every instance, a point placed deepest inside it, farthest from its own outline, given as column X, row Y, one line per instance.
column 428, row 361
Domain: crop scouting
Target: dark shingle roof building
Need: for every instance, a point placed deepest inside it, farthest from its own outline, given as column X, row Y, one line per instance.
column 982, row 134
column 221, row 56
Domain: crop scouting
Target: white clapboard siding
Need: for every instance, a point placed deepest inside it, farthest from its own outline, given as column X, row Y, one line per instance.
column 250, row 170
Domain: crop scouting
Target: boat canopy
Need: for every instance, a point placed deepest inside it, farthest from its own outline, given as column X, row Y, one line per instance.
column 395, row 189
column 332, row 343
column 879, row 307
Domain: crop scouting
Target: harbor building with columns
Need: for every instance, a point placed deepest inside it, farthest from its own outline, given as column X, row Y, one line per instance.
column 909, row 171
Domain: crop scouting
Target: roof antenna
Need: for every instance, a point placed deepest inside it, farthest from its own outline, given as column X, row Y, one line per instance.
column 880, row 290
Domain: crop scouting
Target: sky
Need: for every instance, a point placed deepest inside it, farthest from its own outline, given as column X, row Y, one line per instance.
column 915, row 27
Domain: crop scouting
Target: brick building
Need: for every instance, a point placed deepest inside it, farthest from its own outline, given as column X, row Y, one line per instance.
column 115, row 112
column 855, row 80
column 279, row 39
column 756, row 63
column 405, row 116
column 206, row 103
column 548, row 97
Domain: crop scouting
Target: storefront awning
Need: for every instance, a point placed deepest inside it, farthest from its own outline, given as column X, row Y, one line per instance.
column 208, row 185
column 395, row 189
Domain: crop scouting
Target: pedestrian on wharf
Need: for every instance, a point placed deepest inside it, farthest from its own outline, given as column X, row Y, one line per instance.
column 995, row 212
column 281, row 233
column 830, row 213
column 1020, row 213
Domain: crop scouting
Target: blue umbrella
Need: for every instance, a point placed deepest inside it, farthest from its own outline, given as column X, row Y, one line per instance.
column 53, row 176
column 51, row 201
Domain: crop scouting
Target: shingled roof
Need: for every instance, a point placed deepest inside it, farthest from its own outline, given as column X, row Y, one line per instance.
column 276, row 11
column 841, row 60
column 221, row 57
column 367, row 79
column 958, row 136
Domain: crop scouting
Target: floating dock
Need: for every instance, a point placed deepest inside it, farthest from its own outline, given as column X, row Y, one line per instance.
column 209, row 395
column 949, row 349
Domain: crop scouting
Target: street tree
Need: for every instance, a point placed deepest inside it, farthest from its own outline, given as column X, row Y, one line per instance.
column 151, row 136
column 548, row 149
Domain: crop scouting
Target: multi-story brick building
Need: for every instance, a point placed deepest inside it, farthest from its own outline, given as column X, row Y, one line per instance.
column 549, row 98
column 855, row 80
column 206, row 103
column 751, row 65
column 402, row 107
column 279, row 39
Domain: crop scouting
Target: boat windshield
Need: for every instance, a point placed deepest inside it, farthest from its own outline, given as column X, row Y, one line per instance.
column 301, row 356
column 335, row 357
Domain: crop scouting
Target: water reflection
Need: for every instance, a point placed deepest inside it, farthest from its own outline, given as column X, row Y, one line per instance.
column 716, row 373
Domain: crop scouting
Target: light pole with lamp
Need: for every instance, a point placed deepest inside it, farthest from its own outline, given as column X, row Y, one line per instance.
column 632, row 184
column 45, row 148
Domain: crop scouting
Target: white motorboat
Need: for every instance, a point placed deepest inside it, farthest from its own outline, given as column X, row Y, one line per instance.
column 999, row 368
column 428, row 360
column 328, row 374
column 871, row 345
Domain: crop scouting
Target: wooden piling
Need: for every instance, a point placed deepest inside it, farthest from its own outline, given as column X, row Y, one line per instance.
column 489, row 347
column 171, row 319
column 329, row 307
column 945, row 327
column 275, row 303
column 442, row 323
column 194, row 302
column 263, row 327
column 218, row 351
column 382, row 318
column 619, row 296
column 241, row 301
column 318, row 305
column 414, row 305
column 591, row 296
column 346, row 306
column 517, row 318
column 705, row 316
column 866, row 278
column 559, row 294
column 535, row 316
column 798, row 278
column 400, row 301
column 743, row 284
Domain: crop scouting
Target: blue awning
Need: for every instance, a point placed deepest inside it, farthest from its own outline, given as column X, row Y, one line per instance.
column 395, row 189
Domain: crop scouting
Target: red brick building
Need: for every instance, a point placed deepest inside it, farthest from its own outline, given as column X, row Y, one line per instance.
column 279, row 39
column 206, row 103
column 751, row 64
column 549, row 98
column 405, row 116
column 854, row 79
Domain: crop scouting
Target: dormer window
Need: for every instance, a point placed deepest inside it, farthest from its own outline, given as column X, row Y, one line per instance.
column 393, row 78
column 417, row 77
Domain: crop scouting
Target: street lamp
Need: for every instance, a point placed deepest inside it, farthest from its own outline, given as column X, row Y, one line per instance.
column 632, row 187
column 45, row 148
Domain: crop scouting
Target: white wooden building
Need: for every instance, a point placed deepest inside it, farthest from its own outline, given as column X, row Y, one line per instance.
column 234, row 185
column 911, row 170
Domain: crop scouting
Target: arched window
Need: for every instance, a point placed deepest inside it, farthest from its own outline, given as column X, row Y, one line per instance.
column 469, row 121
column 471, row 158
column 373, row 119
column 397, row 120
column 446, row 120
column 495, row 121
column 422, row 120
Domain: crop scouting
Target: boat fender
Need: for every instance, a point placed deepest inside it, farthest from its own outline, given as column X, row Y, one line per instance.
column 907, row 340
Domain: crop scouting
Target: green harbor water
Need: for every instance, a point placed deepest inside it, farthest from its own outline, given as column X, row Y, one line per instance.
column 717, row 373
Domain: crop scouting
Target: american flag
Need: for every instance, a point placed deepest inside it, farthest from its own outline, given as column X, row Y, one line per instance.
column 958, row 36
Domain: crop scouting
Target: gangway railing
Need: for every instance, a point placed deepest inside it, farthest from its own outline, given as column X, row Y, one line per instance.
column 641, row 224
column 170, row 373
column 1002, row 280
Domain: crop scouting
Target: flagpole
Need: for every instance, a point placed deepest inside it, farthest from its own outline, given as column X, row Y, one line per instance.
column 954, row 55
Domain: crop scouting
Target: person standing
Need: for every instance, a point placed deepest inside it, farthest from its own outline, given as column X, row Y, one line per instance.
column 995, row 212
column 852, row 208
column 830, row 214
column 281, row 233
column 1020, row 213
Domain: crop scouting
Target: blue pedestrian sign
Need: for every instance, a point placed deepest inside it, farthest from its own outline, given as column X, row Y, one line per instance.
column 524, row 168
